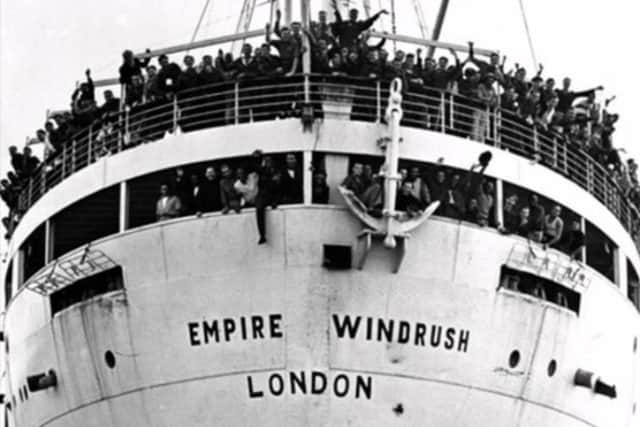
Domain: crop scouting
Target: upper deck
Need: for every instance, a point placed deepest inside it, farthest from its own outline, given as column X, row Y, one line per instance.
column 314, row 97
column 121, row 150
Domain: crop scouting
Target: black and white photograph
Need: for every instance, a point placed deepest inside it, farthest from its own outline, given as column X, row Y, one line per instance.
column 319, row 213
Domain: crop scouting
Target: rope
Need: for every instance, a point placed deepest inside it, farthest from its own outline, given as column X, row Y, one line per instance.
column 393, row 22
column 380, row 7
column 195, row 31
column 526, row 27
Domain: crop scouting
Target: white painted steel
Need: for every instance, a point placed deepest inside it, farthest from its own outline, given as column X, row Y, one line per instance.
column 332, row 136
column 190, row 270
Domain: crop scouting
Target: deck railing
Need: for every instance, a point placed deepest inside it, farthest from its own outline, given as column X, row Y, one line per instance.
column 233, row 103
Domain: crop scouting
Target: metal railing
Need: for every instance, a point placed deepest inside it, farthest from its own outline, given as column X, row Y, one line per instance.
column 331, row 96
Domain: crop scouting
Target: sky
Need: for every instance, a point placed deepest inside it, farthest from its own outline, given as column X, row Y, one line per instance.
column 45, row 46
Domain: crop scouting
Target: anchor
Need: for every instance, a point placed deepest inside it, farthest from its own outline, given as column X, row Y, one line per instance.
column 391, row 226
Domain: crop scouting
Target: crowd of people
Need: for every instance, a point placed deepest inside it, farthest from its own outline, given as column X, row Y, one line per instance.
column 463, row 196
column 341, row 48
column 259, row 182
column 469, row 196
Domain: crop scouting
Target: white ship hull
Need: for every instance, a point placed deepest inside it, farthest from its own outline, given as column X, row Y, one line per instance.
column 213, row 329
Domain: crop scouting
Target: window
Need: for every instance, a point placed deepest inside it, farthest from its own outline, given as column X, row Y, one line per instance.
column 463, row 195
column 513, row 216
column 33, row 252
column 545, row 289
column 8, row 291
column 91, row 218
column 87, row 288
column 633, row 285
column 600, row 251
column 144, row 191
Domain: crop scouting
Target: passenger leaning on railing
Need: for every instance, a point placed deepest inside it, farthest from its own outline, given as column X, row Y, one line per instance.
column 168, row 205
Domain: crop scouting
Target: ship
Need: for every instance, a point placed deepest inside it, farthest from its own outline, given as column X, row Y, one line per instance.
column 347, row 314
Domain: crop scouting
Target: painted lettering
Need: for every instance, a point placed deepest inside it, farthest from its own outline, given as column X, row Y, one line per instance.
column 227, row 329
column 346, row 325
column 342, row 385
column 463, row 340
column 193, row 333
column 298, row 382
column 252, row 393
column 435, row 336
column 274, row 325
column 450, row 338
column 401, row 332
column 210, row 329
column 276, row 384
column 256, row 321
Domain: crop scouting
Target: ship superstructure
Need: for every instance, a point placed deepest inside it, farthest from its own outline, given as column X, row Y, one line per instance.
column 348, row 315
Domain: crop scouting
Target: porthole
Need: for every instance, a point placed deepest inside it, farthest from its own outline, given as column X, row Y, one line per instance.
column 110, row 359
column 551, row 369
column 514, row 358
column 635, row 344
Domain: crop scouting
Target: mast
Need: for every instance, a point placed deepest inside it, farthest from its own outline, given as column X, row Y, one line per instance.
column 438, row 26
column 305, row 11
column 417, row 6
column 244, row 21
column 393, row 22
column 288, row 6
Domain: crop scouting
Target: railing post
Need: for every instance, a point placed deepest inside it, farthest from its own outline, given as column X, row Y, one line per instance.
column 73, row 156
column 589, row 176
column 307, row 89
column 123, row 207
column 175, row 113
column 490, row 122
column 498, row 126
column 451, row 106
column 30, row 193
column 442, row 112
column 48, row 240
column 555, row 152
column 123, row 105
column 565, row 158
column 307, row 176
column 120, row 134
column 236, row 103
column 499, row 205
column 536, row 143
column 583, row 228
column 43, row 177
column 64, row 162
column 378, row 102
column 127, row 135
column 90, row 146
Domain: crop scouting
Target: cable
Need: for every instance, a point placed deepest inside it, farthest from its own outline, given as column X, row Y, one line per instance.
column 195, row 31
column 526, row 27
column 393, row 22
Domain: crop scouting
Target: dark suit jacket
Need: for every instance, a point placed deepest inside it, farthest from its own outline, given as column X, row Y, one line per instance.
column 291, row 186
column 208, row 199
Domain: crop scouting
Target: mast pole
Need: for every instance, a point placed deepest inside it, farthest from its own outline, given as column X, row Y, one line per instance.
column 306, row 56
column 392, row 177
column 393, row 22
column 442, row 12
column 288, row 11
